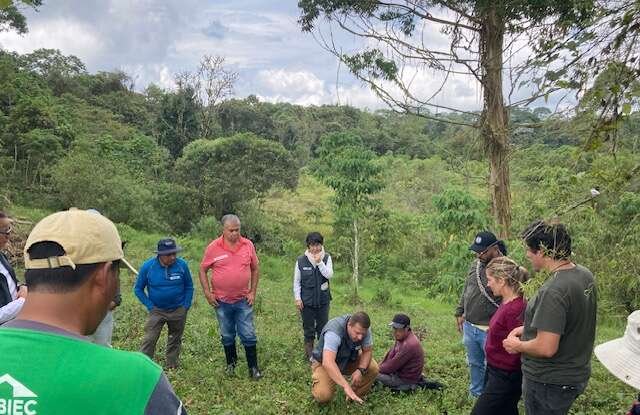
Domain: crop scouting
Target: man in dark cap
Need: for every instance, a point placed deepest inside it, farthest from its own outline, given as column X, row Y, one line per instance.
column 169, row 291
column 477, row 305
column 402, row 365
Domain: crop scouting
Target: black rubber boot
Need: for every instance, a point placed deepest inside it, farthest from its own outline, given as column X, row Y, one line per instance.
column 232, row 359
column 252, row 361
column 308, row 349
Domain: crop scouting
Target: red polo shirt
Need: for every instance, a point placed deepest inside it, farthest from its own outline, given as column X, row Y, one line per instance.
column 231, row 269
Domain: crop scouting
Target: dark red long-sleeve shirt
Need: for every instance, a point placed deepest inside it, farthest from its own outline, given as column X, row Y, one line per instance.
column 508, row 317
column 405, row 359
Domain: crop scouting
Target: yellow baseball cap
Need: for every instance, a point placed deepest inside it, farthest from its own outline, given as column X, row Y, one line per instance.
column 87, row 237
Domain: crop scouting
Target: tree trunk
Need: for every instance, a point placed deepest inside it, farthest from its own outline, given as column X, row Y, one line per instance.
column 494, row 126
column 356, row 257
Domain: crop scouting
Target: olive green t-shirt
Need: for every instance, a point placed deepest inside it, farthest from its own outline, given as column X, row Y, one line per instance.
column 565, row 305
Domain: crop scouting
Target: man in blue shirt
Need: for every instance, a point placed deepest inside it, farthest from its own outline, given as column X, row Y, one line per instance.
column 169, row 291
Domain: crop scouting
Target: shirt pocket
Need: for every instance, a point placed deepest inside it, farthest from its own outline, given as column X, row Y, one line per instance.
column 245, row 260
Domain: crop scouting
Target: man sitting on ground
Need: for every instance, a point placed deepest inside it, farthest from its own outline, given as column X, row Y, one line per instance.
column 402, row 366
column 344, row 348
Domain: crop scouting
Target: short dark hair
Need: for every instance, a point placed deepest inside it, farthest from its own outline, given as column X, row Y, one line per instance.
column 552, row 237
column 361, row 318
column 57, row 280
column 314, row 238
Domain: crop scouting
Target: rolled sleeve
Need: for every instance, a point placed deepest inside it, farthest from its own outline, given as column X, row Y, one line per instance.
column 331, row 342
column 368, row 339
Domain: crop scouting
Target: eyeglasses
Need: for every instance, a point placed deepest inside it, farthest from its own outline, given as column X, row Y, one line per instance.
column 6, row 232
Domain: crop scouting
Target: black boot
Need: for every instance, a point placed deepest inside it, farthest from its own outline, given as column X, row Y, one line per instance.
column 252, row 361
column 308, row 349
column 232, row 359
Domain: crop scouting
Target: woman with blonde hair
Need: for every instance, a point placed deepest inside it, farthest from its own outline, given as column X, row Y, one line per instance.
column 503, row 380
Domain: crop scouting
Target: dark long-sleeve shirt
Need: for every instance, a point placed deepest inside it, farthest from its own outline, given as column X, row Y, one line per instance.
column 473, row 305
column 405, row 359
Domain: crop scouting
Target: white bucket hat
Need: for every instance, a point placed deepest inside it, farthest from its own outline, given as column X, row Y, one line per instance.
column 622, row 356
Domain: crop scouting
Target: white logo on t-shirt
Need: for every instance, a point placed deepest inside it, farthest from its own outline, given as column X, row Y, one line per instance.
column 16, row 404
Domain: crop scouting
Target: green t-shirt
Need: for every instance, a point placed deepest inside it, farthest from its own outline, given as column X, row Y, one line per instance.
column 45, row 370
column 566, row 305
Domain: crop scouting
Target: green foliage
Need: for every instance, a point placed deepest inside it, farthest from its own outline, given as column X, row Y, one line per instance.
column 178, row 123
column 11, row 17
column 86, row 179
column 229, row 170
column 345, row 165
column 458, row 211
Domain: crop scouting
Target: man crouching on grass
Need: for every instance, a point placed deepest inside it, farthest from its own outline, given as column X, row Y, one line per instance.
column 344, row 348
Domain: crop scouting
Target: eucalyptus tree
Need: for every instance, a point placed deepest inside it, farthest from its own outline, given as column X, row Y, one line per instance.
column 482, row 36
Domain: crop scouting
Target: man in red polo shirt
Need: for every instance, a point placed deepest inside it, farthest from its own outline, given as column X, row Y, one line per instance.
column 232, row 291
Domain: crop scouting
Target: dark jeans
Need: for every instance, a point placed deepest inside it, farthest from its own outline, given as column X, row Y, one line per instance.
column 392, row 380
column 236, row 319
column 175, row 320
column 313, row 320
column 501, row 393
column 548, row 399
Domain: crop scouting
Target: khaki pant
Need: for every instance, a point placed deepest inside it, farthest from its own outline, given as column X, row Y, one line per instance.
column 323, row 387
column 175, row 321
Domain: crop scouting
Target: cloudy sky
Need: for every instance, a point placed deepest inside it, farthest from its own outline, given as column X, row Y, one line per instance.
column 151, row 40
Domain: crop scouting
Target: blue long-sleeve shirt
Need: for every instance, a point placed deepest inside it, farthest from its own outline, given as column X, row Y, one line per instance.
column 167, row 288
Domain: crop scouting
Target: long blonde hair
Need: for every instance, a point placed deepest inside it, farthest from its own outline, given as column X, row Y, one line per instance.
column 505, row 268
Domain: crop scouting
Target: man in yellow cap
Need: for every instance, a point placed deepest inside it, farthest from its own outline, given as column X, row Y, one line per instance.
column 72, row 261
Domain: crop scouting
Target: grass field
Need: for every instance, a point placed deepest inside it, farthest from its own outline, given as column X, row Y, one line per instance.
column 285, row 388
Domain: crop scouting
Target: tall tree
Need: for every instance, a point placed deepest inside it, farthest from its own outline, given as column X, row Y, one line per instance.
column 346, row 165
column 599, row 62
column 211, row 83
column 11, row 17
column 178, row 120
column 480, row 32
column 231, row 170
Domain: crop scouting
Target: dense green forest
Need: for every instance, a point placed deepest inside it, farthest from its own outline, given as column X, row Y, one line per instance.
column 397, row 194
column 71, row 138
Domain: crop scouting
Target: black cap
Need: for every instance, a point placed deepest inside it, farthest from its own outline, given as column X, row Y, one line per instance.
column 167, row 246
column 400, row 321
column 483, row 241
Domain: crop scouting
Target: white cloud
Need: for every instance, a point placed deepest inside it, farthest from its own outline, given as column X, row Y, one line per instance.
column 71, row 37
column 153, row 39
column 143, row 75
column 296, row 82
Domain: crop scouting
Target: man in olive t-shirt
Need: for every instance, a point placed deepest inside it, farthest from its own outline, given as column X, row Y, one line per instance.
column 557, row 338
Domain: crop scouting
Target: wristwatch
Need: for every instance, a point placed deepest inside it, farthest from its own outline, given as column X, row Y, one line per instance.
column 362, row 371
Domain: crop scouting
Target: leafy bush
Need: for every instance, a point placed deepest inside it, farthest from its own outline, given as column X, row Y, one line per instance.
column 88, row 180
column 228, row 171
